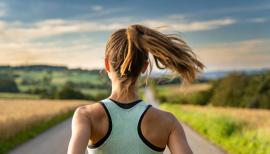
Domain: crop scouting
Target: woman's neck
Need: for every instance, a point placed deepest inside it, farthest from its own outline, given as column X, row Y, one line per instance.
column 130, row 96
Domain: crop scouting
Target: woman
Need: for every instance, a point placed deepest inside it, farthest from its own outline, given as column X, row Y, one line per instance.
column 123, row 123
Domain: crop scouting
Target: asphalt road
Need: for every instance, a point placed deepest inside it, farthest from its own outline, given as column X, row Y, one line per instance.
column 55, row 140
column 52, row 141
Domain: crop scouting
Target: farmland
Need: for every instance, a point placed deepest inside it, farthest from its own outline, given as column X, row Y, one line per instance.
column 237, row 130
column 23, row 119
column 52, row 82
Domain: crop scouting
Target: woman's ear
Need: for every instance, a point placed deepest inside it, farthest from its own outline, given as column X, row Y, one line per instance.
column 145, row 66
column 107, row 65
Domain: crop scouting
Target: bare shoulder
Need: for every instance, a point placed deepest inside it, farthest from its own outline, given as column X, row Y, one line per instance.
column 162, row 115
column 157, row 126
column 177, row 141
column 158, row 115
column 90, row 110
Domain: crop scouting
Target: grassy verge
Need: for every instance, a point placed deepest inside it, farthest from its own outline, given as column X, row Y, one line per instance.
column 18, row 96
column 233, row 135
column 34, row 130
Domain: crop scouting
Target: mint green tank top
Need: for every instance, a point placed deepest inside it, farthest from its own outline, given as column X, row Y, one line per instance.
column 124, row 135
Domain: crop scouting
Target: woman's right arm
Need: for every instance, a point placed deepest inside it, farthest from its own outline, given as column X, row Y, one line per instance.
column 80, row 131
column 177, row 142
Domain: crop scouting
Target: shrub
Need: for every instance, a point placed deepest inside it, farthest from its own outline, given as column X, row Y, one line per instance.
column 8, row 85
column 68, row 92
column 240, row 90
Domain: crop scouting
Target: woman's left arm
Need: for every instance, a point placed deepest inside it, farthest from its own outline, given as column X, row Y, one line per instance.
column 80, row 131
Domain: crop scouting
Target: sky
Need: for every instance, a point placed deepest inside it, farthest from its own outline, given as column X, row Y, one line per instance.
column 225, row 34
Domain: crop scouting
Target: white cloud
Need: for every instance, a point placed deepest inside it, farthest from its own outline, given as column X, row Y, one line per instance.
column 97, row 8
column 192, row 26
column 177, row 16
column 2, row 26
column 243, row 47
column 2, row 13
column 48, row 28
column 258, row 20
column 3, row 10
column 17, row 45
column 73, row 54
column 52, row 27
column 254, row 53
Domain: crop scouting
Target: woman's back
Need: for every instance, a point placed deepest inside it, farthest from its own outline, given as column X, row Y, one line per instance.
column 135, row 127
column 116, row 130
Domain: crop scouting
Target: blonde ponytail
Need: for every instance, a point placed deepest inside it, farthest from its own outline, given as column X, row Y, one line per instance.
column 128, row 50
column 131, row 35
column 168, row 50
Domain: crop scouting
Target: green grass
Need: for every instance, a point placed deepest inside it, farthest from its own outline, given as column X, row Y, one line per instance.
column 225, row 131
column 18, row 96
column 25, row 88
column 33, row 82
column 20, row 137
column 58, row 78
column 38, row 75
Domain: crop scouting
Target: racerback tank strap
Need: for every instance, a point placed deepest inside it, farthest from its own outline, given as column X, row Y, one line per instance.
column 124, row 134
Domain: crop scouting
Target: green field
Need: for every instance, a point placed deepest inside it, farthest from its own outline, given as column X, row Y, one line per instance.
column 238, row 131
column 232, row 112
column 18, row 96
column 46, row 83
column 57, row 78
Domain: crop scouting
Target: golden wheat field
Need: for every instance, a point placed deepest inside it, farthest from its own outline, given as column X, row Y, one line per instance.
column 193, row 88
column 256, row 119
column 17, row 115
column 176, row 89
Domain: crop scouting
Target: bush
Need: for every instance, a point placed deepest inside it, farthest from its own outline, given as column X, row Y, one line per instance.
column 229, row 91
column 8, row 85
column 240, row 90
column 201, row 97
column 68, row 92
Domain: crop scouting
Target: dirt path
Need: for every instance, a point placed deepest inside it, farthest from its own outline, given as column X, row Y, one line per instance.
column 198, row 144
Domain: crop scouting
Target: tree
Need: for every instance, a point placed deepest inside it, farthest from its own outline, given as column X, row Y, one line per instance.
column 68, row 92
column 8, row 85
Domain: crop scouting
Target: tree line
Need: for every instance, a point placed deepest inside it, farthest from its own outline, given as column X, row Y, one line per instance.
column 237, row 89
